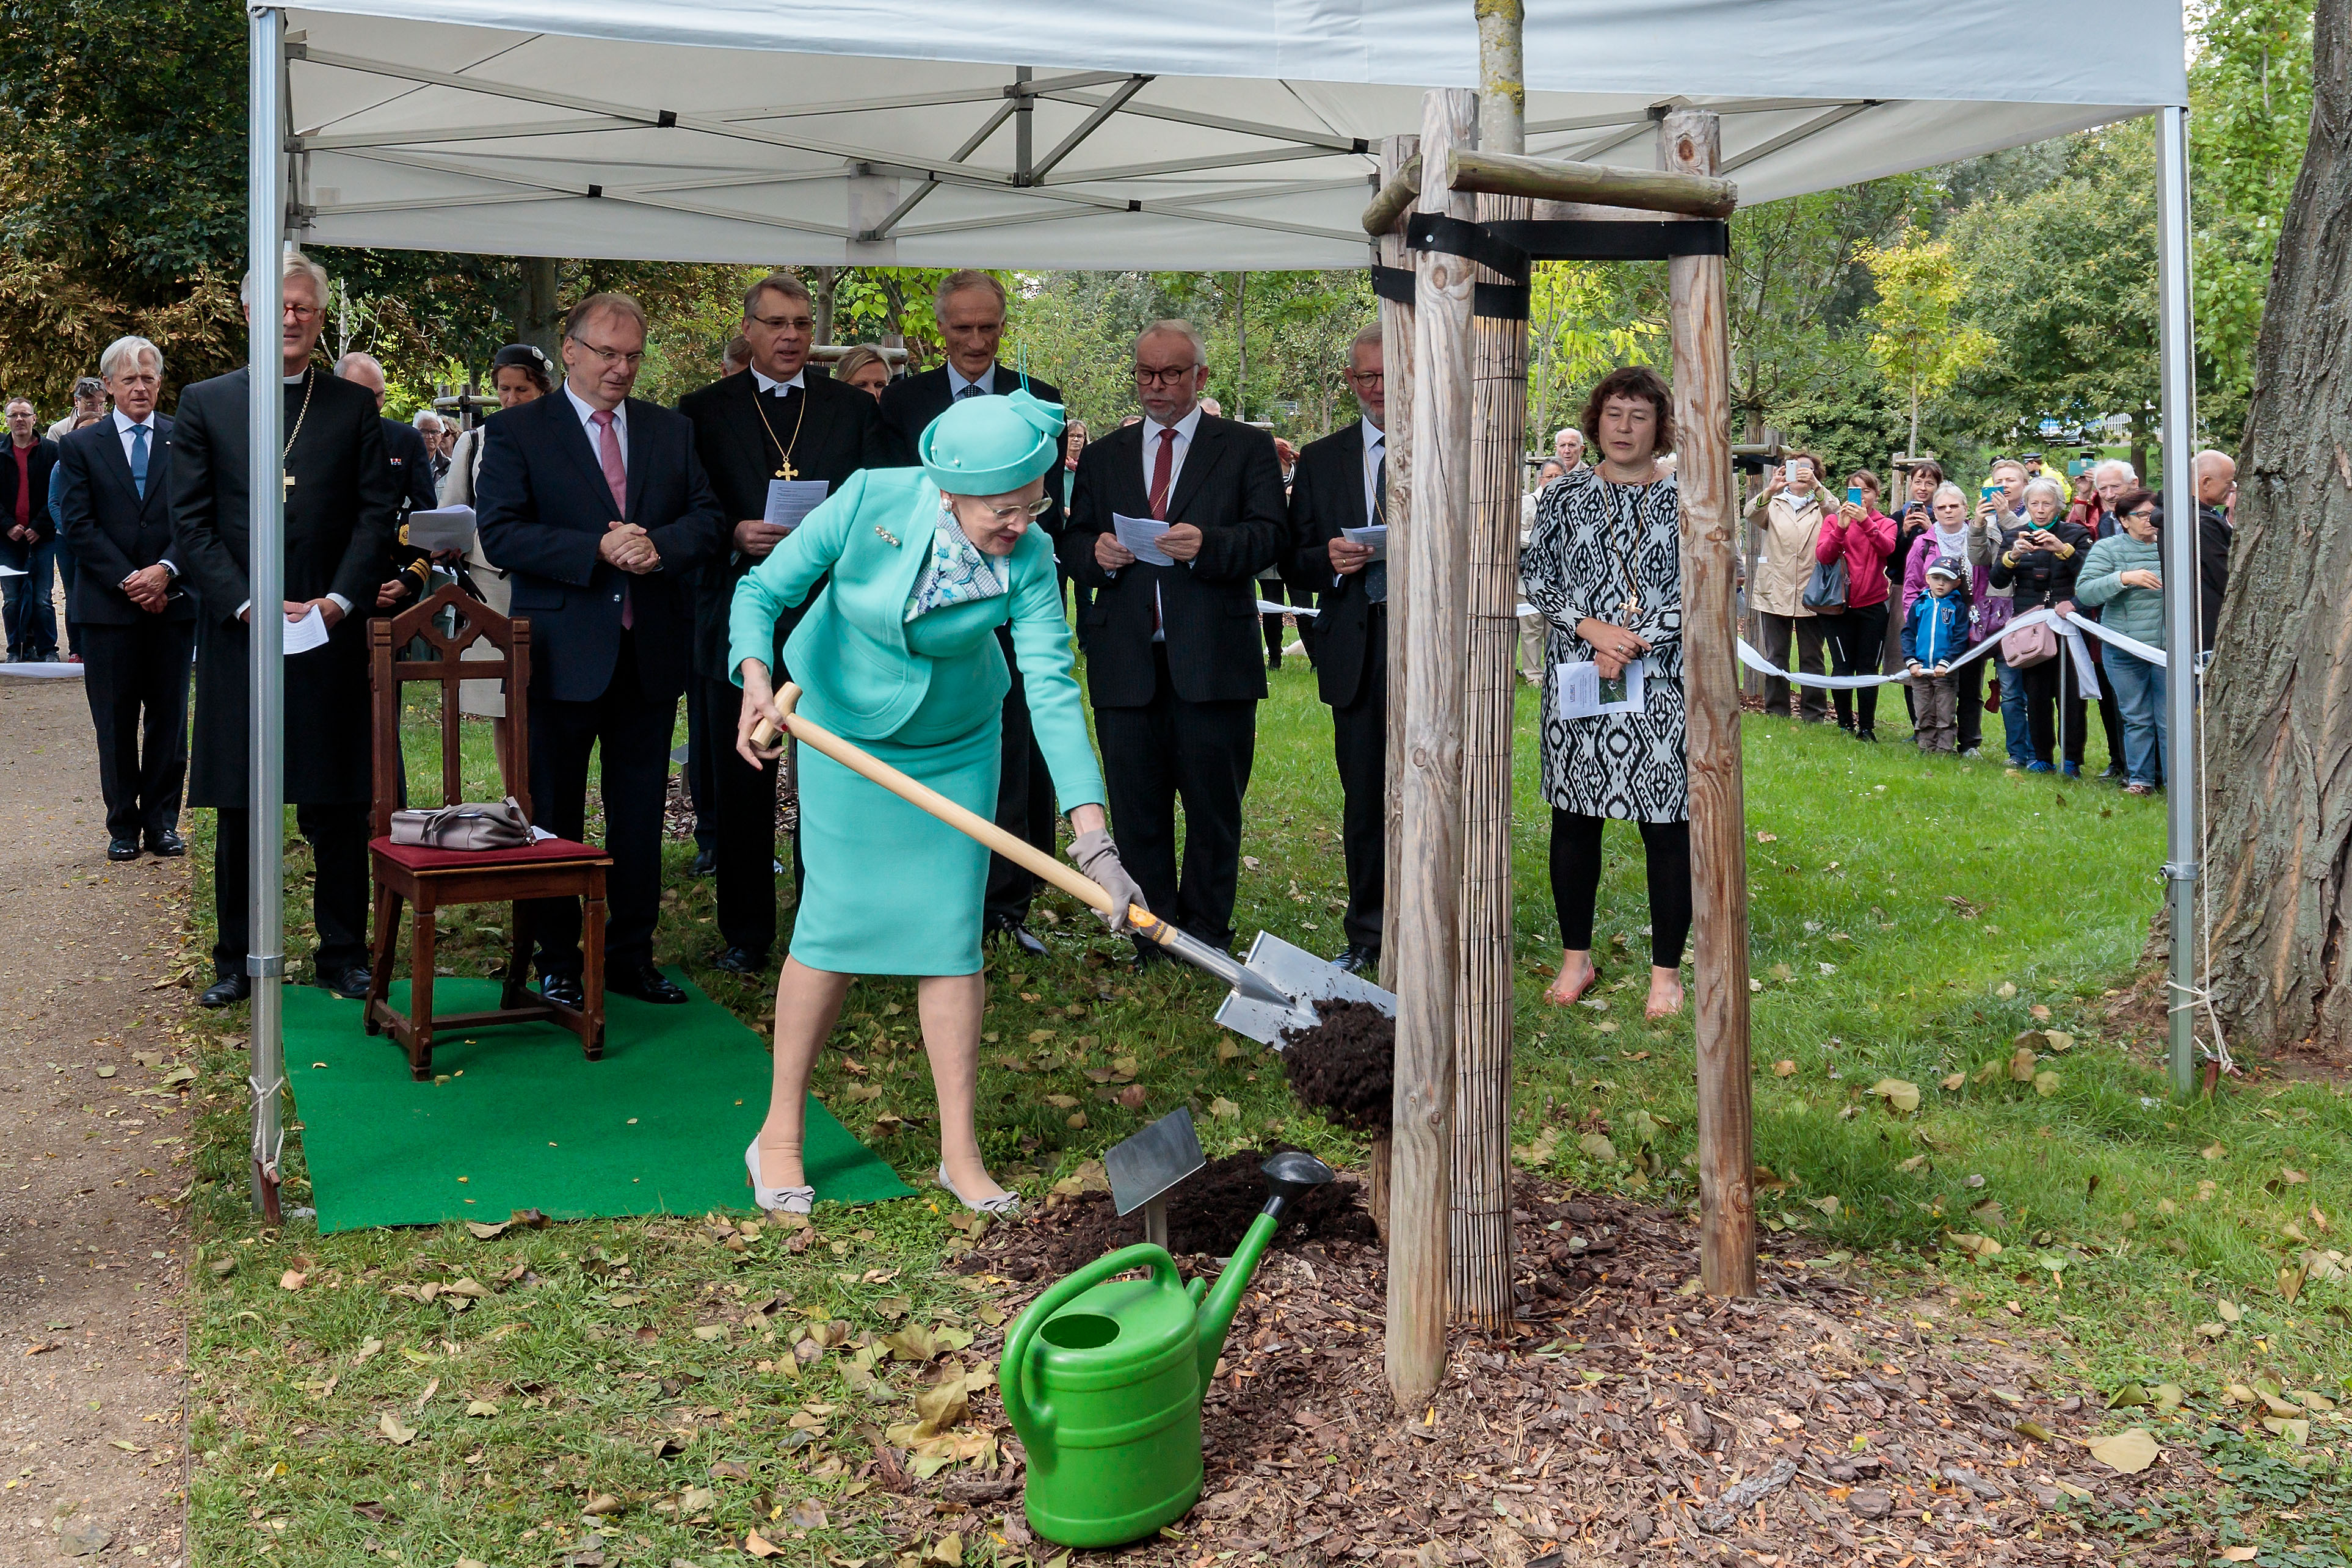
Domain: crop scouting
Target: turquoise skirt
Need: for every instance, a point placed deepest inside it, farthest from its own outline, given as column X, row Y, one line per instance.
column 890, row 888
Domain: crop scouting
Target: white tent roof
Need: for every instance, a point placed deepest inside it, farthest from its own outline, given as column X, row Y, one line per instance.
column 1222, row 134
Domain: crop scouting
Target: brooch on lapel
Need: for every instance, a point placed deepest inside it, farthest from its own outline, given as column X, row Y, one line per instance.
column 887, row 537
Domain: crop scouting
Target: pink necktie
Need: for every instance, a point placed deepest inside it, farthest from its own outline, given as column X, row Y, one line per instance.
column 608, row 457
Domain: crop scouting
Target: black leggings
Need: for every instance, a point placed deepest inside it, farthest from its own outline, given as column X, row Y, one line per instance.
column 1857, row 642
column 2054, row 703
column 1576, row 881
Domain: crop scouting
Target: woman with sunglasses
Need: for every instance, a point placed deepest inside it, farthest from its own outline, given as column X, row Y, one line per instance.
column 913, row 570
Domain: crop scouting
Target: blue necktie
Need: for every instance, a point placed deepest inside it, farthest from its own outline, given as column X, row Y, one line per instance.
column 139, row 459
column 1376, row 575
column 969, row 390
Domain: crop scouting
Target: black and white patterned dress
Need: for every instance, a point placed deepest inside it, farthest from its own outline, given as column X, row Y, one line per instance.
column 1593, row 542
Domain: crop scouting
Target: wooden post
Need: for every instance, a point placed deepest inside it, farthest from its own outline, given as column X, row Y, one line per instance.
column 1690, row 141
column 1424, row 912
column 1396, row 356
column 1482, row 1066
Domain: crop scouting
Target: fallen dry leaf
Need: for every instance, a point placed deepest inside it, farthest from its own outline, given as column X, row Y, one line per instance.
column 392, row 1427
column 2127, row 1452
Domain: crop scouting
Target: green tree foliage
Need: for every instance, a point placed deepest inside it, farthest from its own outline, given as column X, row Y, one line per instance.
column 1913, row 339
column 2250, row 97
column 2065, row 277
column 1584, row 320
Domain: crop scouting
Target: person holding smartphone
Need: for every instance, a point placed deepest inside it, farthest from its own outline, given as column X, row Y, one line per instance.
column 1789, row 511
column 1864, row 536
column 2038, row 562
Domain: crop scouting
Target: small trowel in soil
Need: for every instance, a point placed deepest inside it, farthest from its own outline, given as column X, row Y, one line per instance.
column 1275, row 988
column 1146, row 1168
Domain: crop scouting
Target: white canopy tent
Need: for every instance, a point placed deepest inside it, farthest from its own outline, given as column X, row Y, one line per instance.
column 1054, row 134
column 1048, row 134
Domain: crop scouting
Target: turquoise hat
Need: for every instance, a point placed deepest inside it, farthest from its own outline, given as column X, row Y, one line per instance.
column 992, row 446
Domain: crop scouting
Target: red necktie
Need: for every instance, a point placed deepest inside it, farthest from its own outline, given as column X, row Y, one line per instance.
column 1162, row 467
column 616, row 478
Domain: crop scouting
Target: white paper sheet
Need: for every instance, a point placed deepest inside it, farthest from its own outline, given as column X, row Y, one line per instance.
column 443, row 528
column 1377, row 536
column 306, row 634
column 789, row 501
column 1141, row 536
column 1584, row 694
column 10, row 572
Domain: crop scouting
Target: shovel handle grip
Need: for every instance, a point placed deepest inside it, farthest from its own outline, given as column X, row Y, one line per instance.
column 1027, row 856
column 1031, row 1416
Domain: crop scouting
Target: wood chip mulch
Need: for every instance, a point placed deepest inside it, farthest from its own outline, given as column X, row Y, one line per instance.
column 1627, row 1420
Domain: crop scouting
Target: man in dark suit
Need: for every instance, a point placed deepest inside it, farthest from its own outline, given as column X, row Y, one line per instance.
column 2217, row 485
column 411, row 468
column 342, row 506
column 1173, row 667
column 1340, row 484
column 971, row 307
column 596, row 505
column 25, row 529
column 778, row 422
column 137, row 625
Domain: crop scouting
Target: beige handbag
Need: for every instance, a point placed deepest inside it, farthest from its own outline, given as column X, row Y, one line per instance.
column 470, row 825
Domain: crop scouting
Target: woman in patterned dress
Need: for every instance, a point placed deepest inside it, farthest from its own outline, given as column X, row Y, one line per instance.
column 1604, row 568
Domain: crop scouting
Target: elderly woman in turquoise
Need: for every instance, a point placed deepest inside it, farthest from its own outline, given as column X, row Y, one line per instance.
column 899, row 654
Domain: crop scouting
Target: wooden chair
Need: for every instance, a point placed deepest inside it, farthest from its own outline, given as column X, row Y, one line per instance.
column 428, row 879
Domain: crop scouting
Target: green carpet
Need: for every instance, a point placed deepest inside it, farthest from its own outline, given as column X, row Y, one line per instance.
column 522, row 1120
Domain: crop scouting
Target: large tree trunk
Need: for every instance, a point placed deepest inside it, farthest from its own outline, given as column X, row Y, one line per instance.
column 2279, row 704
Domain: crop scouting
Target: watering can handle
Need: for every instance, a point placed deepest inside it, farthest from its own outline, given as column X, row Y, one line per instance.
column 1029, row 1414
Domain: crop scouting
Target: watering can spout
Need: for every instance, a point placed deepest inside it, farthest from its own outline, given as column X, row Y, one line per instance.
column 1289, row 1176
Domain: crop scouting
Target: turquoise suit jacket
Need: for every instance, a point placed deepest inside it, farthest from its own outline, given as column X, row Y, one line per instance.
column 851, row 654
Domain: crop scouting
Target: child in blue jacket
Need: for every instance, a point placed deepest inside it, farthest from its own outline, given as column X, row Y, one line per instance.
column 1934, row 634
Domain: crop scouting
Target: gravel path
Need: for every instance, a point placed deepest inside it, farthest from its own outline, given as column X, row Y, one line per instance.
column 92, row 1155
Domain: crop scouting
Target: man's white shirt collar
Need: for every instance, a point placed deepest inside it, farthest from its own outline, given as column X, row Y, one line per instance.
column 956, row 382
column 768, row 383
column 124, row 423
column 1185, row 429
column 1373, row 435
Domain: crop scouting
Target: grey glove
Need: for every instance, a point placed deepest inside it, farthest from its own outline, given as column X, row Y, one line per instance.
column 1098, row 856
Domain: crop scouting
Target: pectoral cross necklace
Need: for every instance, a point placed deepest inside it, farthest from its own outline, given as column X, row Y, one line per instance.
column 1622, row 503
column 784, row 470
column 300, row 415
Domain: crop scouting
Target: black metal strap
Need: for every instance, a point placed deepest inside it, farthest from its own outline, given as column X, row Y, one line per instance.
column 1599, row 239
column 1393, row 284
column 1500, row 302
column 1476, row 242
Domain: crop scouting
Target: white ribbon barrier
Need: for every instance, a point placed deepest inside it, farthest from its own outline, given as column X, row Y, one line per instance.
column 60, row 671
column 2070, row 627
column 1268, row 608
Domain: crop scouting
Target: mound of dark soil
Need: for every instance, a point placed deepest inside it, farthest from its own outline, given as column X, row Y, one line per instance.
column 1345, row 1066
column 1206, row 1216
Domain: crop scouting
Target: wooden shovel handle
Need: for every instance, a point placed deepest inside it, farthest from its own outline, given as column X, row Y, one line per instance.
column 1071, row 880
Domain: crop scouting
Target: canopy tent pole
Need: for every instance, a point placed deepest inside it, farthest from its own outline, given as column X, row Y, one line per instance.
column 2179, row 371
column 1691, row 142
column 1481, row 1199
column 1425, row 908
column 266, row 576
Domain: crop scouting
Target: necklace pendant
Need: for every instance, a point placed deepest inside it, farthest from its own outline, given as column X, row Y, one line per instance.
column 290, row 481
column 1631, row 607
column 787, row 472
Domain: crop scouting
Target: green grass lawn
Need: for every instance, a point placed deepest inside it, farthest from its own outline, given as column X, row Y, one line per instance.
column 1911, row 917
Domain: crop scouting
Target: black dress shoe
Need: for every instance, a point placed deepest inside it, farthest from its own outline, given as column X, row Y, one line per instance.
column 1005, row 928
column 1355, row 960
column 646, row 984
column 166, row 844
column 563, row 988
column 740, row 961
column 228, row 988
column 350, row 981
column 706, row 863
column 122, row 849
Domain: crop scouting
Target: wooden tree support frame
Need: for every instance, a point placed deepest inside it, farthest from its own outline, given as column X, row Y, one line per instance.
column 1433, row 371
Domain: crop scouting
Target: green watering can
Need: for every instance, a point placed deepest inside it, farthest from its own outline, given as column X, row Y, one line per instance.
column 1102, row 1379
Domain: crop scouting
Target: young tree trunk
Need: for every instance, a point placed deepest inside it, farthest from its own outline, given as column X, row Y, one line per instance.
column 2279, row 736
column 824, row 288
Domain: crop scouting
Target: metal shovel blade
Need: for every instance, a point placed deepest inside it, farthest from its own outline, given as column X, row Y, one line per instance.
column 1147, row 1165
column 1301, row 979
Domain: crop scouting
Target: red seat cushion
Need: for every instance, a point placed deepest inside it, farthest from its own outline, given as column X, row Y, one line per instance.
column 421, row 857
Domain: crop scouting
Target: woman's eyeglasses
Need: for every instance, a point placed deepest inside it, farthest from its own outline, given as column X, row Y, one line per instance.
column 1005, row 516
